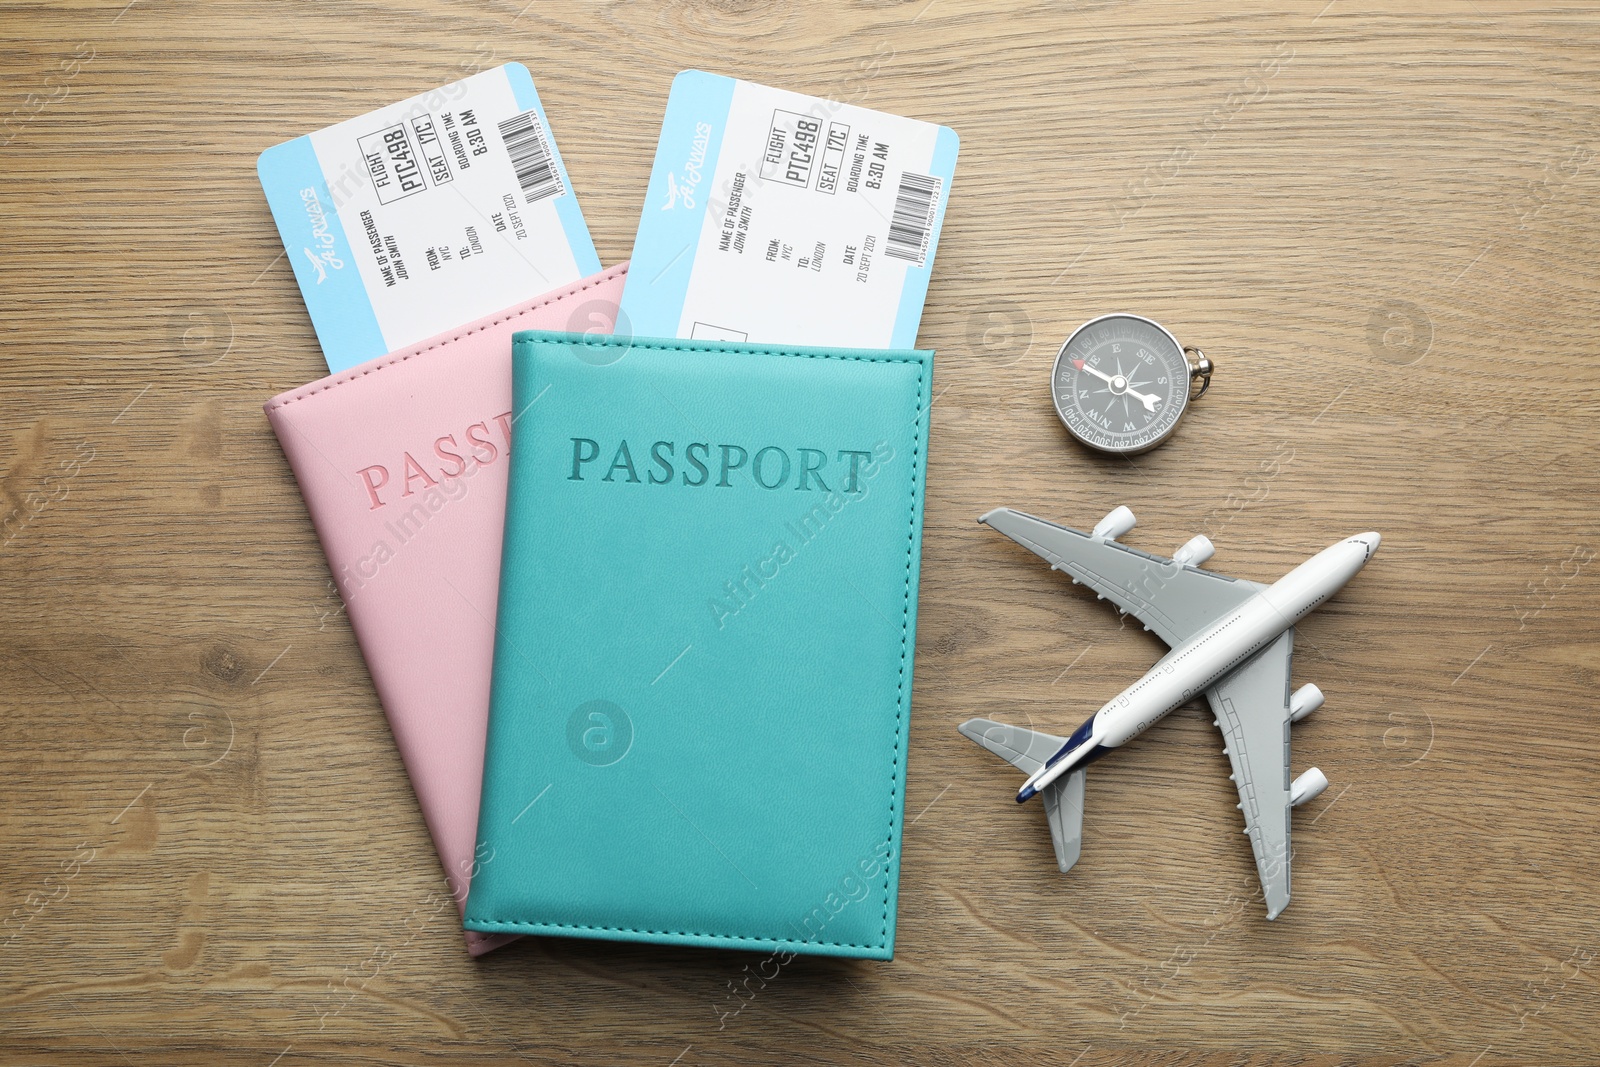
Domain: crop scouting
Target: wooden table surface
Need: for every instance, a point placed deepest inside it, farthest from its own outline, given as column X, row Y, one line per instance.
column 1382, row 225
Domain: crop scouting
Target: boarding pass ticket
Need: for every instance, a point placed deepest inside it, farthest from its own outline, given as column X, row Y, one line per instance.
column 777, row 217
column 426, row 214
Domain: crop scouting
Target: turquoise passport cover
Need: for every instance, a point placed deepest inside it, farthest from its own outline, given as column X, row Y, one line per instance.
column 702, row 673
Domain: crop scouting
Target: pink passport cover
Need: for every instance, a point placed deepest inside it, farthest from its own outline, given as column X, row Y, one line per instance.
column 402, row 463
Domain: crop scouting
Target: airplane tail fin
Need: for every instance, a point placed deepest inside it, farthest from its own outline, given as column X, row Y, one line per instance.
column 1027, row 750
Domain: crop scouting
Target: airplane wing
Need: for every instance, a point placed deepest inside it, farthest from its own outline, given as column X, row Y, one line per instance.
column 1027, row 750
column 1252, row 708
column 1173, row 600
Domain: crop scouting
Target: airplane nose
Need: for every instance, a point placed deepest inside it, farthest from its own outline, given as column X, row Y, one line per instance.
column 1372, row 541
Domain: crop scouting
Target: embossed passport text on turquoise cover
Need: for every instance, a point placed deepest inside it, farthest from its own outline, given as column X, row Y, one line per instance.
column 702, row 678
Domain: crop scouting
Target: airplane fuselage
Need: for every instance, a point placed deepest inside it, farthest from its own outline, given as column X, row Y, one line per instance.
column 1205, row 659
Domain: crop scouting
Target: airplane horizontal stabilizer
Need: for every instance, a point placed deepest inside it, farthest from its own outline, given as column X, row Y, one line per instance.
column 1024, row 749
column 1063, row 805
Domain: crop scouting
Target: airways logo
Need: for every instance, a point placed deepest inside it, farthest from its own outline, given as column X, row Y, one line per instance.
column 451, row 458
column 681, row 188
column 323, row 257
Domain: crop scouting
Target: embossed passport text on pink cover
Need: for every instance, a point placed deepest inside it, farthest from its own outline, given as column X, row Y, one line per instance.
column 402, row 463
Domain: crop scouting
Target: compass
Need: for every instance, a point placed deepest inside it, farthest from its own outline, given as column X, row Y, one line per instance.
column 1122, row 382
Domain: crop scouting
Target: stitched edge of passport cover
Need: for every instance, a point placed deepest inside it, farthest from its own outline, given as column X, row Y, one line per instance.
column 322, row 385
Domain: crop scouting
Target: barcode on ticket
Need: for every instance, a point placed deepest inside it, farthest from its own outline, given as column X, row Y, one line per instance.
column 914, row 206
column 531, row 158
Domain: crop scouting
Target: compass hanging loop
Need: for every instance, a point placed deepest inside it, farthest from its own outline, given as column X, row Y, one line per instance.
column 1199, row 367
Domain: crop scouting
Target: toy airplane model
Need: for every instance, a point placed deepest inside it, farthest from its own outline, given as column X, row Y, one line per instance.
column 1230, row 639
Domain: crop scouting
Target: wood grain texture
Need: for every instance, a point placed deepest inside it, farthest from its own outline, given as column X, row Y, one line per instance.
column 1381, row 223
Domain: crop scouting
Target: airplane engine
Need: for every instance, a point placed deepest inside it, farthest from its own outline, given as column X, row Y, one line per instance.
column 1195, row 551
column 1117, row 522
column 1308, row 786
column 1306, row 699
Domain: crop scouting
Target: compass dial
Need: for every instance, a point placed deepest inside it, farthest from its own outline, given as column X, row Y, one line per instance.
column 1120, row 384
